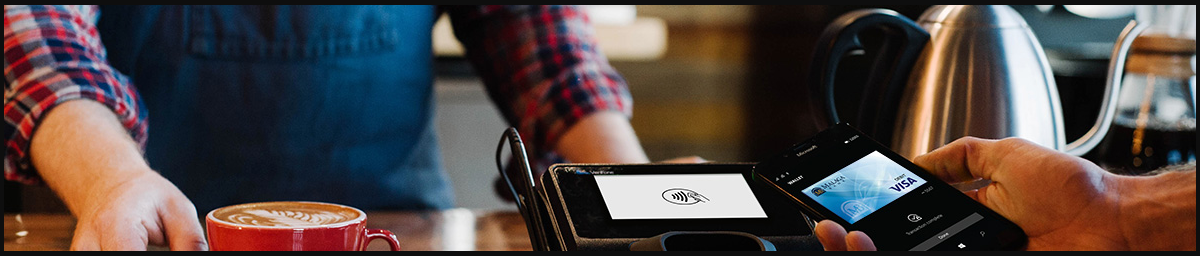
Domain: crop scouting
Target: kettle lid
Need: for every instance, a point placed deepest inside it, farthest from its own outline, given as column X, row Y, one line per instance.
column 993, row 16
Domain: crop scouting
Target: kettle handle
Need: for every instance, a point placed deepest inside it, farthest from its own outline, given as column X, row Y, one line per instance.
column 903, row 42
column 1108, row 105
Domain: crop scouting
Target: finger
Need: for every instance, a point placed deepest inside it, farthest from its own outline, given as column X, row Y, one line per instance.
column 84, row 239
column 124, row 235
column 859, row 241
column 954, row 162
column 973, row 194
column 182, row 227
column 686, row 160
column 831, row 235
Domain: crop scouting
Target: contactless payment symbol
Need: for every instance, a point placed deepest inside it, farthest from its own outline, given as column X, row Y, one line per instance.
column 683, row 196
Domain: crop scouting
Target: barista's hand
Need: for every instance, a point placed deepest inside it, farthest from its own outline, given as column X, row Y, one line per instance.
column 86, row 157
column 138, row 211
column 1061, row 201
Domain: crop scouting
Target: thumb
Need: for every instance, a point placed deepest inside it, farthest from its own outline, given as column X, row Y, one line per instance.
column 958, row 161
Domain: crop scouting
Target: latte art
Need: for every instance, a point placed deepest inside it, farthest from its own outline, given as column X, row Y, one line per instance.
column 286, row 214
column 285, row 218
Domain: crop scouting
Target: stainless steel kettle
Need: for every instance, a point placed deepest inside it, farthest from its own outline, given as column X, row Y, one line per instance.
column 966, row 70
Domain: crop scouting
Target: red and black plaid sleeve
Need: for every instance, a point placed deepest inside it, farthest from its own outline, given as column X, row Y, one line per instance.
column 53, row 54
column 541, row 66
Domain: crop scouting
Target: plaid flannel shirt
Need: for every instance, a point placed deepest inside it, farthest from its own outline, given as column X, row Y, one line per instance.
column 540, row 64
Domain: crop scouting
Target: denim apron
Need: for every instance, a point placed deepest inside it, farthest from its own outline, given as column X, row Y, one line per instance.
column 312, row 103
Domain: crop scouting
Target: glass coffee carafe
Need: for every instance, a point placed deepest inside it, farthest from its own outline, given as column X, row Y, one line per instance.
column 1155, row 122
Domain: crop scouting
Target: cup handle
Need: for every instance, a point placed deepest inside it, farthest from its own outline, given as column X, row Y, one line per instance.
column 373, row 234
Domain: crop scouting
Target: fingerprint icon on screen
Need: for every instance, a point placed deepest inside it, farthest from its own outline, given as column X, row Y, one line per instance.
column 683, row 196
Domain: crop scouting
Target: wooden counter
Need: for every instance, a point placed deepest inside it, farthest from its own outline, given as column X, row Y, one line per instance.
column 449, row 230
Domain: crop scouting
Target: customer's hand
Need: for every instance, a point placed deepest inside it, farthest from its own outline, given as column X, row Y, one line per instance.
column 685, row 160
column 835, row 238
column 1061, row 201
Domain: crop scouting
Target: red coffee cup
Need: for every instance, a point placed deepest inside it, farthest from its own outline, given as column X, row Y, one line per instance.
column 291, row 226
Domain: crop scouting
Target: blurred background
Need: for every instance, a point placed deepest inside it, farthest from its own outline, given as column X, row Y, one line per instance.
column 728, row 82
column 725, row 83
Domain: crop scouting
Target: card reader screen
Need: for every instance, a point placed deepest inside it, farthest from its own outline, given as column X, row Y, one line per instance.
column 678, row 196
column 863, row 187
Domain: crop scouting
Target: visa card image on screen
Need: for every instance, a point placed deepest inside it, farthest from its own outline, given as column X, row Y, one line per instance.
column 863, row 187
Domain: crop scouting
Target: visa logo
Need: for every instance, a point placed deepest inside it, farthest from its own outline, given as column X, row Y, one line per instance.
column 903, row 184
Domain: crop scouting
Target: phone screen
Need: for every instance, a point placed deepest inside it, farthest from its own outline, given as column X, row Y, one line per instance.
column 842, row 175
column 863, row 187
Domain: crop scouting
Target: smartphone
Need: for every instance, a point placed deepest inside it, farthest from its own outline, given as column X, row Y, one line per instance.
column 842, row 175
